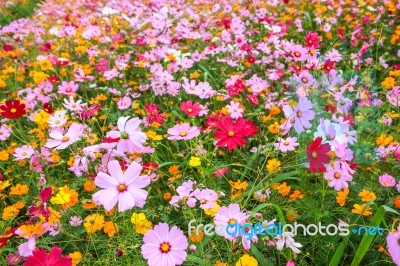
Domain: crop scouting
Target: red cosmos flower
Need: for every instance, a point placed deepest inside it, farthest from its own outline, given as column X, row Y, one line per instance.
column 47, row 108
column 9, row 233
column 236, row 88
column 12, row 109
column 189, row 108
column 312, row 40
column 149, row 166
column 154, row 113
column 40, row 208
column 54, row 79
column 54, row 258
column 251, row 59
column 45, row 47
column 231, row 134
column 7, row 47
column 329, row 65
column 316, row 153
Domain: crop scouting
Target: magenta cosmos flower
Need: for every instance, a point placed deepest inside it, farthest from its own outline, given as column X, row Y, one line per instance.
column 336, row 177
column 301, row 115
column 54, row 258
column 183, row 132
column 164, row 247
column 60, row 141
column 131, row 137
column 393, row 242
column 229, row 216
column 124, row 188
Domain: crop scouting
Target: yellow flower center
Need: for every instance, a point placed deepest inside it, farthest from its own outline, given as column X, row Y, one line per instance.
column 189, row 110
column 286, row 143
column 314, row 154
column 13, row 110
column 299, row 113
column 305, row 80
column 64, row 139
column 337, row 175
column 58, row 122
column 297, row 54
column 121, row 188
column 183, row 134
column 165, row 247
column 231, row 133
column 24, row 153
column 232, row 221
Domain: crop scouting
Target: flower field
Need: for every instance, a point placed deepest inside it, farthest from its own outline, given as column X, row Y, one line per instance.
column 129, row 130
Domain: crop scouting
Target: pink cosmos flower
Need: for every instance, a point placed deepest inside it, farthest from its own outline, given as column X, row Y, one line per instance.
column 24, row 152
column 185, row 194
column 35, row 164
column 286, row 239
column 72, row 105
column 54, row 258
column 393, row 242
column 4, row 132
column 234, row 110
column 164, row 246
column 183, row 132
column 124, row 103
column 68, row 88
column 285, row 145
column 301, row 115
column 336, row 177
column 60, row 141
column 230, row 215
column 387, row 180
column 110, row 74
column 122, row 187
column 130, row 136
column 207, row 198
column 299, row 53
column 75, row 221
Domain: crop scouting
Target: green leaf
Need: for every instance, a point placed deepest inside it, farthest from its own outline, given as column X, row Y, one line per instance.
column 197, row 260
column 367, row 239
column 339, row 252
column 262, row 260
column 277, row 208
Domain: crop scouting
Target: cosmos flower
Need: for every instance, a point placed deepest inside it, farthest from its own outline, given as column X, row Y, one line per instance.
column 231, row 134
column 191, row 109
column 4, row 132
column 393, row 242
column 301, row 115
column 229, row 216
column 387, row 180
column 12, row 109
column 183, row 132
column 24, row 152
column 316, row 153
column 124, row 188
column 68, row 88
column 285, row 145
column 40, row 257
column 164, row 246
column 130, row 135
column 337, row 177
column 60, row 141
